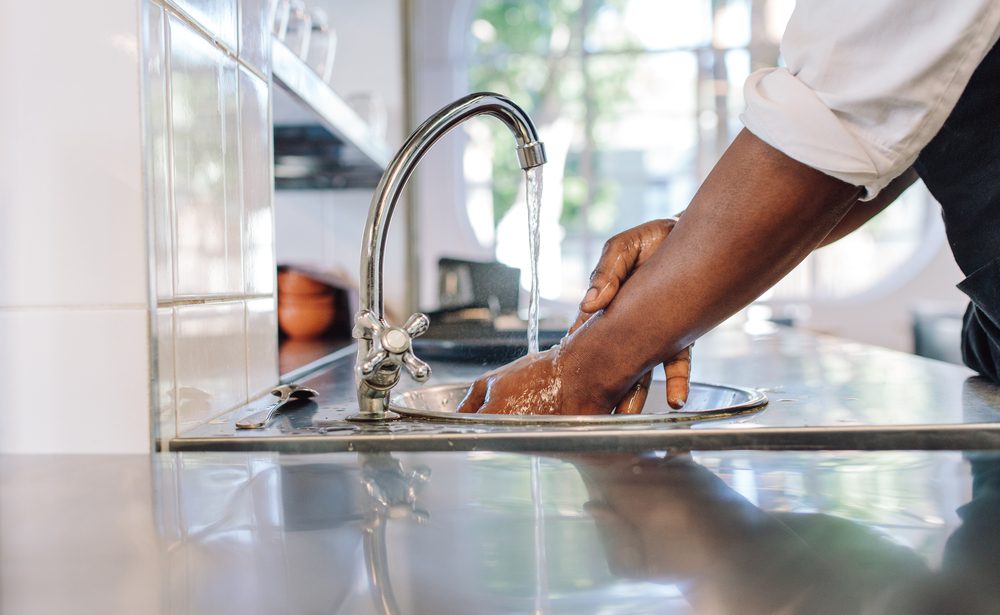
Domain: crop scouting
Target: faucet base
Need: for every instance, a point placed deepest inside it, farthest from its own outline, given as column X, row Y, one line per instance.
column 371, row 417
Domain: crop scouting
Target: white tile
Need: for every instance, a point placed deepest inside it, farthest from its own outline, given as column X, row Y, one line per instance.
column 73, row 214
column 165, row 390
column 233, row 176
column 210, row 359
column 197, row 112
column 255, row 33
column 157, row 134
column 258, row 185
column 75, row 381
column 262, row 346
column 219, row 17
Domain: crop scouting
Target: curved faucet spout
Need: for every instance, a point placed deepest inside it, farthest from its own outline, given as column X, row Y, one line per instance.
column 382, row 349
column 530, row 151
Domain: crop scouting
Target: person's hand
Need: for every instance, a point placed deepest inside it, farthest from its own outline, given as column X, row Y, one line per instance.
column 549, row 382
column 533, row 384
column 622, row 255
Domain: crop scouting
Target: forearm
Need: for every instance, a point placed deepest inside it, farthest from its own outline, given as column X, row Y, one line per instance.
column 756, row 216
column 863, row 211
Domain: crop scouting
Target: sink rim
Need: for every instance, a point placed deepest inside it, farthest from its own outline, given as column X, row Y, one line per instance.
column 753, row 401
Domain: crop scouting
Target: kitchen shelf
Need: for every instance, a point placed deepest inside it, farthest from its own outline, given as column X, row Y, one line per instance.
column 320, row 142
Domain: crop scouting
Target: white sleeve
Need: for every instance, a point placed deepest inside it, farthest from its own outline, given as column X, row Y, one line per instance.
column 868, row 83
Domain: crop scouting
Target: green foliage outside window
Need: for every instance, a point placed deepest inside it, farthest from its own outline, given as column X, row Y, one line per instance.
column 535, row 53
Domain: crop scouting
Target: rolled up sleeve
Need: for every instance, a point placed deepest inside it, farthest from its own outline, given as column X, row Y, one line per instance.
column 866, row 85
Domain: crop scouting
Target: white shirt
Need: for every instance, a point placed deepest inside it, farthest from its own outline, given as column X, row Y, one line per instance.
column 868, row 83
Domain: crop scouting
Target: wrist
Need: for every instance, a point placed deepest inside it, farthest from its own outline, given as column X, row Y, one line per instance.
column 595, row 374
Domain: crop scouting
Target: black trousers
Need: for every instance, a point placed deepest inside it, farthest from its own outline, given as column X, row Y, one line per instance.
column 961, row 168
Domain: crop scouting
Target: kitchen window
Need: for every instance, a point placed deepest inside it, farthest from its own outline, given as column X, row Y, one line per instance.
column 636, row 100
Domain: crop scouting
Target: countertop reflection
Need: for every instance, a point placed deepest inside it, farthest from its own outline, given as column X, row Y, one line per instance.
column 483, row 532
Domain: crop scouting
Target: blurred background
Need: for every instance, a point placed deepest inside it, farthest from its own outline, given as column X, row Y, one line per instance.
column 635, row 101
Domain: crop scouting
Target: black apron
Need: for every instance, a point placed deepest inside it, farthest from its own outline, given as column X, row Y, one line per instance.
column 961, row 168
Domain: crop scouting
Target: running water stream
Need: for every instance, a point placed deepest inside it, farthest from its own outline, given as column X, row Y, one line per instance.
column 533, row 177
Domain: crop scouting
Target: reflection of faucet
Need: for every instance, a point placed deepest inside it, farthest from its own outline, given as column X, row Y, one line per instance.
column 382, row 349
column 392, row 494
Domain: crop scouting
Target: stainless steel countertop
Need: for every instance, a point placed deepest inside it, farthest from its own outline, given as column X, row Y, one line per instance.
column 715, row 532
column 825, row 393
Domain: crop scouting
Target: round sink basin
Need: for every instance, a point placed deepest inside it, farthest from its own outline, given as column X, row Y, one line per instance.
column 705, row 402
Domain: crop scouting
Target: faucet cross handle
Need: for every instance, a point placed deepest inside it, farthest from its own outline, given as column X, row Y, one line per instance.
column 391, row 346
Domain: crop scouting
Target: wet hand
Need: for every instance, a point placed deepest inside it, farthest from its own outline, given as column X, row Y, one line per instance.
column 623, row 254
column 538, row 383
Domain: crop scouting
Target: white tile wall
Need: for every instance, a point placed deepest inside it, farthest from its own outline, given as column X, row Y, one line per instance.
column 128, row 138
column 165, row 391
column 216, row 16
column 255, row 41
column 233, row 176
column 75, row 275
column 258, row 184
column 220, row 321
column 75, row 380
column 199, row 162
column 159, row 192
column 262, row 346
column 210, row 359
column 72, row 219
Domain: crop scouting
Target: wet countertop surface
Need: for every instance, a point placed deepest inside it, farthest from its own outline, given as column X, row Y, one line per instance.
column 824, row 392
column 711, row 532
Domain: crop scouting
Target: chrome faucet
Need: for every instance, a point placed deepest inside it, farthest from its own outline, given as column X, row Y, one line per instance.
column 382, row 348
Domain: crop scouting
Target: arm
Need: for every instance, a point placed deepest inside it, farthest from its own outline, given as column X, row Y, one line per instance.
column 756, row 216
column 624, row 253
column 863, row 211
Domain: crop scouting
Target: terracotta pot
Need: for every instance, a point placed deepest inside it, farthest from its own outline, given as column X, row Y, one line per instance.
column 292, row 282
column 306, row 320
column 314, row 301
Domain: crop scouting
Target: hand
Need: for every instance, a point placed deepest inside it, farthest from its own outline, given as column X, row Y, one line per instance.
column 623, row 254
column 545, row 384
column 533, row 384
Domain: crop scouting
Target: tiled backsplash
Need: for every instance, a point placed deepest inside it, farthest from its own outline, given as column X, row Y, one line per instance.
column 137, row 289
column 209, row 185
column 74, row 292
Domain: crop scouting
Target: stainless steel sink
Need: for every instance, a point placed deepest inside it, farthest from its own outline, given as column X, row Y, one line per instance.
column 705, row 402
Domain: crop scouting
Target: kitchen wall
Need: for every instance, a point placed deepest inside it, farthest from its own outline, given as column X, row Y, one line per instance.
column 206, row 78
column 136, row 225
column 74, row 292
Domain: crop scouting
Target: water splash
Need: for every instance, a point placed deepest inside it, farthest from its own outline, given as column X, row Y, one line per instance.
column 533, row 177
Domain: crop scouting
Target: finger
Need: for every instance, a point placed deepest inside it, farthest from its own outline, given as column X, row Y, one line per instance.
column 617, row 259
column 474, row 398
column 635, row 399
column 678, row 372
column 581, row 318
